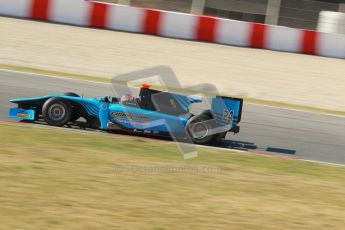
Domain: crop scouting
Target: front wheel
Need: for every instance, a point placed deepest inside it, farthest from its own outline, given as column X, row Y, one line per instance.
column 56, row 112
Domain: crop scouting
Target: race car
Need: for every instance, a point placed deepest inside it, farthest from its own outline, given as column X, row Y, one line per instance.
column 153, row 112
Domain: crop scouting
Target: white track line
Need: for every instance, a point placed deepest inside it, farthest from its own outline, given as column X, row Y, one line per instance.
column 324, row 163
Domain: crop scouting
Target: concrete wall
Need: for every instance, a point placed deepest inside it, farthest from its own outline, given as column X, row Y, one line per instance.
column 247, row 6
column 331, row 22
column 303, row 14
column 183, row 6
column 292, row 13
column 244, row 10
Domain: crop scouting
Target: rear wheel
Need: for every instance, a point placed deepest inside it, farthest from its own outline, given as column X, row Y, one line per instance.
column 56, row 112
column 199, row 130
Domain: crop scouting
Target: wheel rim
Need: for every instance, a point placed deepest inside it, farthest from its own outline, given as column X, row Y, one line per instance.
column 199, row 130
column 56, row 112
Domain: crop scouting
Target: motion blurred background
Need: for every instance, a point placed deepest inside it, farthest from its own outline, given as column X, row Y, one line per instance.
column 74, row 179
column 304, row 14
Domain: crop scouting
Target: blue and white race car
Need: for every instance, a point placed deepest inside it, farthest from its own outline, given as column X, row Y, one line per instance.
column 153, row 112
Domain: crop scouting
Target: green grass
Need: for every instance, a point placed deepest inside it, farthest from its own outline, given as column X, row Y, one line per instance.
column 107, row 80
column 56, row 179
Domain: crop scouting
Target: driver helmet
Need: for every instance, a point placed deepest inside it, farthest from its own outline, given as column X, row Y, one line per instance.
column 127, row 99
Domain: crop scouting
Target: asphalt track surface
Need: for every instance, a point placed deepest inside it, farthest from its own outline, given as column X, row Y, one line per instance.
column 264, row 129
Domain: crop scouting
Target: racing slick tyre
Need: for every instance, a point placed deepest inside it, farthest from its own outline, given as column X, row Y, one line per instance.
column 199, row 132
column 71, row 94
column 56, row 112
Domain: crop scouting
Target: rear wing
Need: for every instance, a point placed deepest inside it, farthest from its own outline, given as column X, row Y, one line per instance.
column 227, row 110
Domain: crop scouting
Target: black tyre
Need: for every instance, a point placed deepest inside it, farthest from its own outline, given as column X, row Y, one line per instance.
column 56, row 112
column 199, row 131
column 71, row 94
